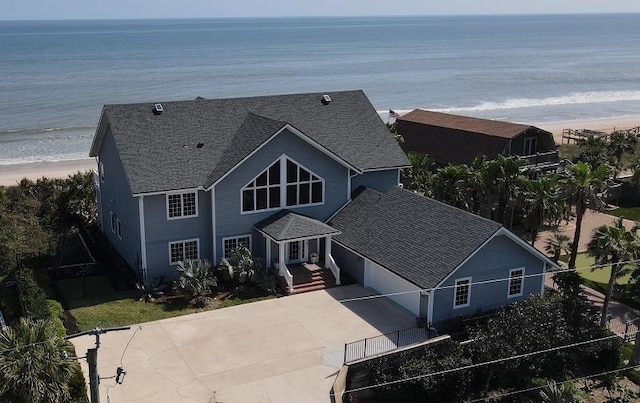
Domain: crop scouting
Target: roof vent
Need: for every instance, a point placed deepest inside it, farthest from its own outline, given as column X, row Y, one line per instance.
column 157, row 109
column 326, row 99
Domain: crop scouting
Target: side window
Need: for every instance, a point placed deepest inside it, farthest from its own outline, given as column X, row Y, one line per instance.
column 462, row 293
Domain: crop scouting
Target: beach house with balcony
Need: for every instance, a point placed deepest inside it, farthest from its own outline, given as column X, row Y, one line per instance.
column 309, row 183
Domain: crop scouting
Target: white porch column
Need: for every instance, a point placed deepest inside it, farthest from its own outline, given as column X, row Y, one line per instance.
column 268, row 252
column 281, row 258
column 327, row 249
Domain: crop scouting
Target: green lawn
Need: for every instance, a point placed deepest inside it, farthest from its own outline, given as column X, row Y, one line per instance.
column 123, row 308
column 597, row 276
column 627, row 210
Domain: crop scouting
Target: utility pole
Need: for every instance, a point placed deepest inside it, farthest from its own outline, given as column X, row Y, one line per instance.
column 92, row 358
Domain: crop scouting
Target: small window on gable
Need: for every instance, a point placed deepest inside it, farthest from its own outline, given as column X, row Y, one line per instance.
column 516, row 283
column 462, row 293
column 101, row 171
column 181, row 205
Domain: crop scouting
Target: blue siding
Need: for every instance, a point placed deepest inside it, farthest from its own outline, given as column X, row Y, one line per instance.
column 116, row 196
column 229, row 220
column 159, row 231
column 377, row 180
column 493, row 261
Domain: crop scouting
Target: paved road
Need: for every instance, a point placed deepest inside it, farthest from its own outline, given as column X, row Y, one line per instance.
column 281, row 350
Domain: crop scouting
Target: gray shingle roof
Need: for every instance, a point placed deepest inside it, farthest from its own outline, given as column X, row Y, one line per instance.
column 286, row 225
column 417, row 238
column 159, row 152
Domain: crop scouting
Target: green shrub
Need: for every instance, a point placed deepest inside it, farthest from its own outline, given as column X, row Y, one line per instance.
column 56, row 314
column 34, row 300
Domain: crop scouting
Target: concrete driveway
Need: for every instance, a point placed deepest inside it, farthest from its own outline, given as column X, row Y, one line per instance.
column 281, row 350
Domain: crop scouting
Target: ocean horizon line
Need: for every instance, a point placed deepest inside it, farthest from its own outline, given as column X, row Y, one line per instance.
column 294, row 17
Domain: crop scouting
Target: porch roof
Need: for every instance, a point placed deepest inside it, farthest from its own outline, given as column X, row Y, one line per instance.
column 288, row 226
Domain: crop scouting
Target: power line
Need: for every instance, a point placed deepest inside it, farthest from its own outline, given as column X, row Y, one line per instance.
column 481, row 364
column 391, row 294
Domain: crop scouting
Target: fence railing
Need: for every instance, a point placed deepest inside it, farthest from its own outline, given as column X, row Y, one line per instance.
column 550, row 157
column 626, row 329
column 384, row 343
column 335, row 270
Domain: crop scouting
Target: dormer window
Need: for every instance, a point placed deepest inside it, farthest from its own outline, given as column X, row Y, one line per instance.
column 284, row 183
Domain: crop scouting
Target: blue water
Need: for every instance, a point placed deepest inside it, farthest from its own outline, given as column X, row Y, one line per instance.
column 56, row 75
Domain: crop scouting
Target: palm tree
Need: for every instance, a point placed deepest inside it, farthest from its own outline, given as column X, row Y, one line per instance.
column 615, row 245
column 558, row 244
column 420, row 172
column 33, row 367
column 449, row 185
column 196, row 279
column 507, row 181
column 539, row 199
column 621, row 143
column 583, row 185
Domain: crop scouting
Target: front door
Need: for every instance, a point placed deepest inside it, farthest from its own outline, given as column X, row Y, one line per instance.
column 296, row 252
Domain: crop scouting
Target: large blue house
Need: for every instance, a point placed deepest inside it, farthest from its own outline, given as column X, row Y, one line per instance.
column 296, row 178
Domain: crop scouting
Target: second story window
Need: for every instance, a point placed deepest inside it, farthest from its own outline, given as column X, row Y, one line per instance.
column 284, row 183
column 180, row 205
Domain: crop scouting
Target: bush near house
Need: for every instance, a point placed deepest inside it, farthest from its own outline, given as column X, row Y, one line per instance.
column 531, row 326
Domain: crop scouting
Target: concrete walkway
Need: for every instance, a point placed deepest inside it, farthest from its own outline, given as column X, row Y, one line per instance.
column 281, row 350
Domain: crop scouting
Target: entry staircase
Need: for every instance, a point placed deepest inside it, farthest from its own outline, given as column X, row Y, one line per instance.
column 310, row 277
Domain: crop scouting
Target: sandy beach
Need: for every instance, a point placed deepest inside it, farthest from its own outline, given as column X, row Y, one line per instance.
column 12, row 174
column 605, row 125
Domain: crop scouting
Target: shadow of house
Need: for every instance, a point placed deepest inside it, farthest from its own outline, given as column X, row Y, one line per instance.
column 454, row 139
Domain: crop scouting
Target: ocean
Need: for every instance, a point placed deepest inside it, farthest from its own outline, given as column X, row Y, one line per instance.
column 56, row 75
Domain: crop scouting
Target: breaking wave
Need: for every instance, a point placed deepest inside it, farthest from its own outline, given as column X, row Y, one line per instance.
column 571, row 99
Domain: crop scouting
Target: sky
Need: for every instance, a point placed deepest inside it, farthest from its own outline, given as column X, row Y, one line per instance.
column 117, row 9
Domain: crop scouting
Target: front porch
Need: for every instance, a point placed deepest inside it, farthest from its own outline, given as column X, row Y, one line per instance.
column 295, row 246
column 311, row 277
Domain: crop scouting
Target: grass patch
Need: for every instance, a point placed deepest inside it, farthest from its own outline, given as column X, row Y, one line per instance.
column 600, row 275
column 626, row 209
column 123, row 308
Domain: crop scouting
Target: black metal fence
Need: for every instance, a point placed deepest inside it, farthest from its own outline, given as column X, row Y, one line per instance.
column 625, row 329
column 384, row 343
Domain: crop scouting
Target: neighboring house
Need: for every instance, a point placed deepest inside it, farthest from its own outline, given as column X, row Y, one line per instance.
column 399, row 241
column 454, row 139
column 195, row 179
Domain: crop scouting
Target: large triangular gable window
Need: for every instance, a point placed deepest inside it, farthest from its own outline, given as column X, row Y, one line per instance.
column 284, row 183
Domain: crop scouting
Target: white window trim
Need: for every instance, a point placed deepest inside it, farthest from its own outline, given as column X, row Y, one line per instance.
column 528, row 144
column 283, row 187
column 183, row 241
column 101, row 171
column 521, row 283
column 455, row 293
column 113, row 222
column 119, row 228
column 236, row 238
column 182, row 216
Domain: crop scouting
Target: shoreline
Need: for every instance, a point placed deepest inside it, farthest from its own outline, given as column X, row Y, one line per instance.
column 12, row 174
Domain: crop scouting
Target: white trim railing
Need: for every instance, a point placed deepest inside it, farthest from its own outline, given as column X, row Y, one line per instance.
column 335, row 270
column 284, row 272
